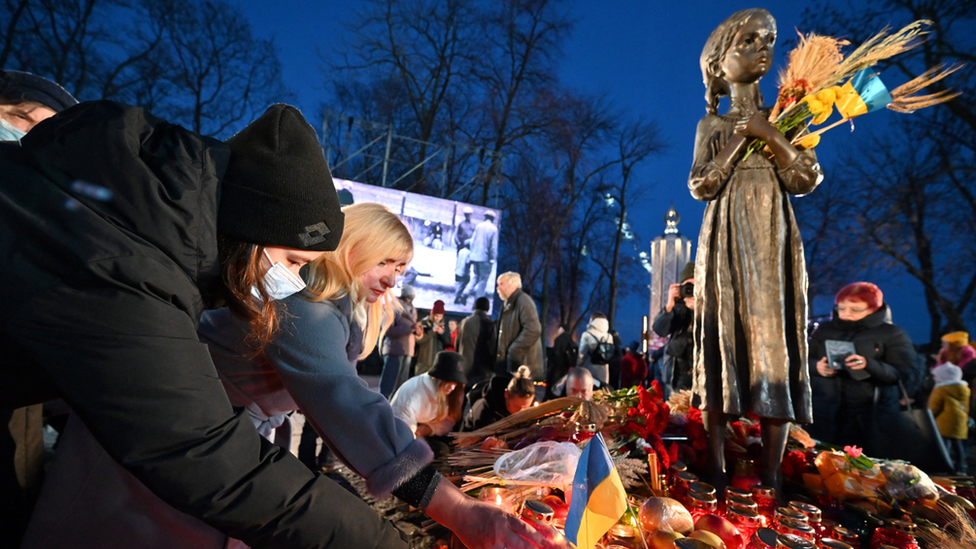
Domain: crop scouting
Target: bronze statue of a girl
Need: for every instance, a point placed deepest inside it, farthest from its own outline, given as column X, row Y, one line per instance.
column 751, row 309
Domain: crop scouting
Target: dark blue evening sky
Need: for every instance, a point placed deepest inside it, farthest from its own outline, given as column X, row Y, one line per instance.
column 642, row 55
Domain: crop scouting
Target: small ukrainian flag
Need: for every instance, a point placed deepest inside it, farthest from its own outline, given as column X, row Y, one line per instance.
column 598, row 498
column 863, row 93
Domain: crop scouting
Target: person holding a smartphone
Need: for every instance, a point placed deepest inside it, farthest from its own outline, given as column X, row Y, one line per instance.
column 857, row 353
column 676, row 321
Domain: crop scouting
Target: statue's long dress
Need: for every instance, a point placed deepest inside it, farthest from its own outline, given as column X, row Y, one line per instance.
column 750, row 282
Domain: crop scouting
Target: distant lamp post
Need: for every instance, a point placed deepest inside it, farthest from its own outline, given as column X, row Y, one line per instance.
column 645, row 334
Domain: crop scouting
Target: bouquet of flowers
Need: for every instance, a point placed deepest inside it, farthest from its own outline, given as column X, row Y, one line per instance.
column 644, row 417
column 849, row 474
column 811, row 85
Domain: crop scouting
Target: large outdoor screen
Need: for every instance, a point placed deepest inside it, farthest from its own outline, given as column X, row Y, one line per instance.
column 455, row 244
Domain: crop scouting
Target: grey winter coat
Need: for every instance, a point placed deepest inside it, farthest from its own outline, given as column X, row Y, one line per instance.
column 520, row 335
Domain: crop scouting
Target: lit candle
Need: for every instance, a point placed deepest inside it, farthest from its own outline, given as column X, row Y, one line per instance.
column 500, row 497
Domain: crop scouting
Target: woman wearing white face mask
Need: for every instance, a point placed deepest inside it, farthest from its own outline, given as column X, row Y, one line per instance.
column 121, row 229
column 311, row 366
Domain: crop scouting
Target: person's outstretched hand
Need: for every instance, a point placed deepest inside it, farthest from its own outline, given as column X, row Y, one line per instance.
column 480, row 525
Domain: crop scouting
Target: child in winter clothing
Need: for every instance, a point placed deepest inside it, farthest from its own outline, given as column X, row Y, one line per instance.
column 949, row 403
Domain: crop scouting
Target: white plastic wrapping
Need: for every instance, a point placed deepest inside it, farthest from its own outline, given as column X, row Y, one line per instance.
column 547, row 462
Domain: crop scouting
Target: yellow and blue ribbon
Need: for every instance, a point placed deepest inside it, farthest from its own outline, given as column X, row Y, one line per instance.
column 863, row 93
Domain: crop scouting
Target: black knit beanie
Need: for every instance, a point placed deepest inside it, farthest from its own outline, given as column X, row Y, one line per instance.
column 278, row 190
column 449, row 366
column 24, row 86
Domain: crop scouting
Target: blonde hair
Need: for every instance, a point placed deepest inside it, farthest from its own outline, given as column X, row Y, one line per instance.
column 372, row 234
column 716, row 47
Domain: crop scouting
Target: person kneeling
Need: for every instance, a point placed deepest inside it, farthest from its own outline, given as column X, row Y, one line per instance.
column 501, row 397
column 432, row 403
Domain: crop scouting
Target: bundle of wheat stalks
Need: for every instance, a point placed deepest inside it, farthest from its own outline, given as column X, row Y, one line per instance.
column 958, row 533
column 816, row 68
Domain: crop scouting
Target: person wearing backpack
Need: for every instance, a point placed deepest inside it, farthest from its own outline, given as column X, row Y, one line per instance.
column 596, row 348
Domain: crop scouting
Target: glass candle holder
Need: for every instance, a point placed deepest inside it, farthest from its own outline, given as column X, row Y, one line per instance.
column 796, row 528
column 702, row 488
column 897, row 533
column 746, row 503
column 813, row 515
column 788, row 513
column 831, row 543
column 680, row 485
column 763, row 538
column 622, row 536
column 539, row 516
column 790, row 541
column 738, row 492
column 584, row 432
column 500, row 497
column 700, row 504
column 842, row 533
column 747, row 521
column 765, row 498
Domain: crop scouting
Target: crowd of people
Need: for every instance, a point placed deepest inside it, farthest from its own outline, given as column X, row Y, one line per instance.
column 184, row 297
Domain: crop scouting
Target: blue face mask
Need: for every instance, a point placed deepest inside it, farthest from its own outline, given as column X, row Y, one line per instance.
column 9, row 132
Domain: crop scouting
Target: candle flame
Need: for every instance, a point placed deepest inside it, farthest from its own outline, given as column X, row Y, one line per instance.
column 498, row 500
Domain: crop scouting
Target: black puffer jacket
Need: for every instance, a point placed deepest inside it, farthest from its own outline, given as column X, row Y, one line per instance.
column 108, row 239
column 890, row 356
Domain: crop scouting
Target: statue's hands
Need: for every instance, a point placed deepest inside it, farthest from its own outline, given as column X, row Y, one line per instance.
column 824, row 369
column 755, row 125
